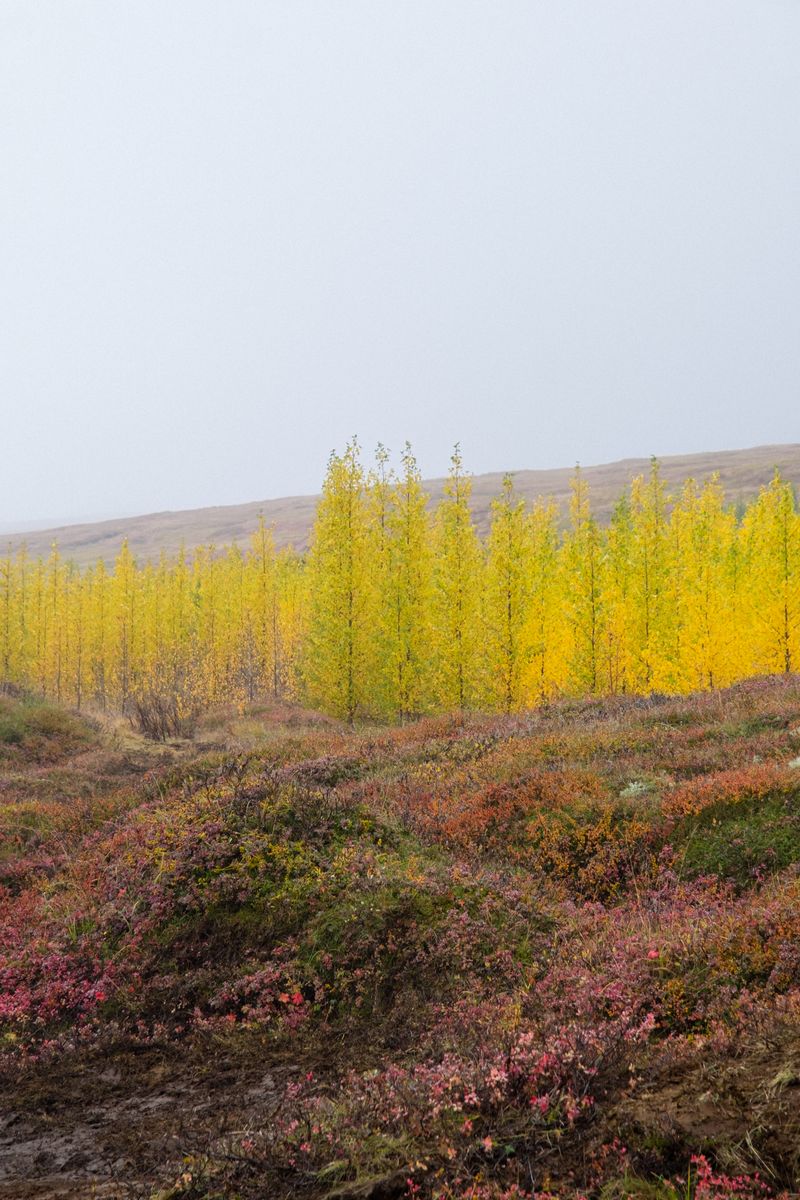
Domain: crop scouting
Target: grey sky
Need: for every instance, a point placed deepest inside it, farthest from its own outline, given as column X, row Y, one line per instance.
column 233, row 233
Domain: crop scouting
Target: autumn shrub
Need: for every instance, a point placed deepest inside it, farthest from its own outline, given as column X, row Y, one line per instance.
column 742, row 840
column 34, row 731
column 470, row 950
column 255, row 884
column 702, row 1181
column 754, row 782
column 597, row 851
column 162, row 715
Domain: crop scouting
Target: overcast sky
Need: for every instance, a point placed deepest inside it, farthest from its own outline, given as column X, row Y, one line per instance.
column 234, row 233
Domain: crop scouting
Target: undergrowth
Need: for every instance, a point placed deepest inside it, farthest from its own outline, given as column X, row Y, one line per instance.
column 494, row 952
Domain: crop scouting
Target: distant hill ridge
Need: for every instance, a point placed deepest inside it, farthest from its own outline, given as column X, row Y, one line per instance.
column 742, row 473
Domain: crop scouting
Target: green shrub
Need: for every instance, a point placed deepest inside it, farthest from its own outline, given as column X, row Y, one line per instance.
column 737, row 841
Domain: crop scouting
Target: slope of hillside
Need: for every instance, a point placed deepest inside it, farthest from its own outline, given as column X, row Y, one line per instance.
column 553, row 955
column 742, row 473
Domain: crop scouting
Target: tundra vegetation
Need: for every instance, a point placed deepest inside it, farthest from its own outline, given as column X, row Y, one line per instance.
column 539, row 937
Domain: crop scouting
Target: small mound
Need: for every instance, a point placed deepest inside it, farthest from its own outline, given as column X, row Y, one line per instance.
column 33, row 731
column 251, row 895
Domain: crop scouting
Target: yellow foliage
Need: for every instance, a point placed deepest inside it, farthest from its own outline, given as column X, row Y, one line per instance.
column 397, row 610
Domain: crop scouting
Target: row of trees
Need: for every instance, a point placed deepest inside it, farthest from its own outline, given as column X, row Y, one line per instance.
column 397, row 610
column 157, row 641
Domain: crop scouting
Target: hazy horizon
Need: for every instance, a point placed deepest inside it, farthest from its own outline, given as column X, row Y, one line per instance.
column 37, row 524
column 49, row 524
column 235, row 235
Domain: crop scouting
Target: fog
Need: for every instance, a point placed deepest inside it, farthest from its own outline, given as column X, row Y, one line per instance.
column 234, row 234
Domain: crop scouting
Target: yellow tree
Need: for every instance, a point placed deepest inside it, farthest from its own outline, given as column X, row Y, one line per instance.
column 208, row 587
column 582, row 582
column 394, row 614
column 55, row 650
column 407, row 594
column 771, row 533
column 651, row 610
column 124, row 604
column 380, row 497
column 701, row 584
column 234, row 624
column 341, row 653
column 545, row 631
column 293, row 600
column 19, row 635
column 15, row 647
column 180, row 620
column 99, row 636
column 77, row 636
column 8, row 644
column 618, row 652
column 456, row 607
column 262, row 640
column 506, row 598
column 158, row 671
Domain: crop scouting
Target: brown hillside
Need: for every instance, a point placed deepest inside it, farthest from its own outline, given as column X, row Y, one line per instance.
column 742, row 473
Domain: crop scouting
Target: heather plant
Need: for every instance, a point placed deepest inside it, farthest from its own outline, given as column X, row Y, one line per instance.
column 470, row 964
